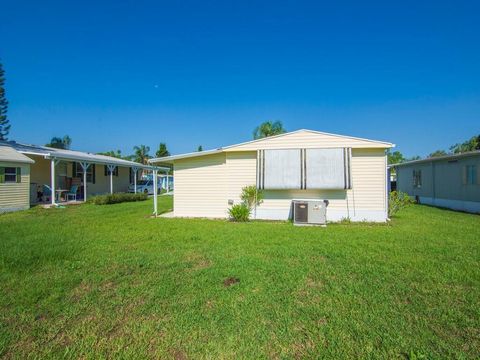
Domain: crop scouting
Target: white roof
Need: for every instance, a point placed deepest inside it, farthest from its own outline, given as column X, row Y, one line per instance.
column 49, row 153
column 169, row 159
column 9, row 154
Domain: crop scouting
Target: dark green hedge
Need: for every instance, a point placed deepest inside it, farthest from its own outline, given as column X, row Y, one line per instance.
column 117, row 198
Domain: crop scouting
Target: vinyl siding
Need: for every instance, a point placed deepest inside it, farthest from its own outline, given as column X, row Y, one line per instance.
column 15, row 196
column 201, row 187
column 305, row 139
column 242, row 171
column 102, row 182
column 368, row 191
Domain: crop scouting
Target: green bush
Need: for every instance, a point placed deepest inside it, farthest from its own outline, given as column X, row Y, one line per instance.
column 239, row 212
column 117, row 198
column 397, row 201
column 251, row 196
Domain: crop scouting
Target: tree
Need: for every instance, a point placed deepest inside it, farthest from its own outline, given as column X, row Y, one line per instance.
column 395, row 157
column 112, row 153
column 141, row 154
column 60, row 143
column 200, row 148
column 416, row 157
column 438, row 153
column 162, row 151
column 470, row 145
column 4, row 122
column 268, row 128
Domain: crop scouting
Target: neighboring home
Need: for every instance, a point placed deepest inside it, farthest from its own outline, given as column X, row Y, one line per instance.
column 451, row 181
column 73, row 175
column 14, row 180
column 349, row 172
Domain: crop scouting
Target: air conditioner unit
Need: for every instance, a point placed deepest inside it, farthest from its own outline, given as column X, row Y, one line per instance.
column 310, row 212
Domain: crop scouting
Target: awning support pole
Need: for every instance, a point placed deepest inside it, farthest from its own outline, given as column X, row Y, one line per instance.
column 135, row 170
column 85, row 167
column 166, row 179
column 52, row 180
column 155, row 207
column 111, row 169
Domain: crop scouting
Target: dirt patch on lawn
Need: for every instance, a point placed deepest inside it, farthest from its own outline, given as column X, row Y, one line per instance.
column 313, row 283
column 179, row 354
column 230, row 281
column 198, row 262
column 80, row 291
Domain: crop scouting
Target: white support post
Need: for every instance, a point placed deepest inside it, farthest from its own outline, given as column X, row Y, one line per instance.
column 155, row 207
column 135, row 170
column 85, row 167
column 111, row 169
column 167, row 181
column 52, row 180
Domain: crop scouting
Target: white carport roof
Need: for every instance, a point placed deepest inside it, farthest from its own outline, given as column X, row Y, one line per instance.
column 71, row 155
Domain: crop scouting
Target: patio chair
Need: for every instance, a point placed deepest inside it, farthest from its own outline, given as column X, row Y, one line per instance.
column 46, row 193
column 72, row 193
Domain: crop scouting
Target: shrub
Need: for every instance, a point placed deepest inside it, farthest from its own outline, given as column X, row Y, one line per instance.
column 251, row 196
column 239, row 212
column 117, row 198
column 397, row 201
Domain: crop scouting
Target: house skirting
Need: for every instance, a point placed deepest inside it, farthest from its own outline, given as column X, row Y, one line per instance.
column 332, row 215
column 467, row 206
column 16, row 208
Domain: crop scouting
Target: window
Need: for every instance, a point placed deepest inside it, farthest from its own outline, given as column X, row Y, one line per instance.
column 132, row 174
column 471, row 174
column 285, row 169
column 78, row 172
column 417, row 178
column 10, row 175
column 106, row 172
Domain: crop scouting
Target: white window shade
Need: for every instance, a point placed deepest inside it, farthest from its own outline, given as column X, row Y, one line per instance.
column 327, row 168
column 285, row 169
column 281, row 169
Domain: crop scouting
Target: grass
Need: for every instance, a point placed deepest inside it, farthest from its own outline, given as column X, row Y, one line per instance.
column 108, row 281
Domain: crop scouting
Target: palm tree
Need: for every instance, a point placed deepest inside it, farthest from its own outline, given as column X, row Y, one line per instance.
column 60, row 143
column 141, row 154
column 67, row 141
column 162, row 151
column 268, row 128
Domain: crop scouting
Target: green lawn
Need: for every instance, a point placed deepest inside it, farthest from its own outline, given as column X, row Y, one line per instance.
column 108, row 281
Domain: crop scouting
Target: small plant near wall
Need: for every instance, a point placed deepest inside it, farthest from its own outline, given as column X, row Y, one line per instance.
column 251, row 198
column 239, row 213
column 397, row 201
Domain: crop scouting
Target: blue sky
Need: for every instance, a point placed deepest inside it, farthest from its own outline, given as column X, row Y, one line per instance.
column 114, row 74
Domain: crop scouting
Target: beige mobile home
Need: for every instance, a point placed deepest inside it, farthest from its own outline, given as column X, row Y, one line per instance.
column 14, row 180
column 349, row 172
